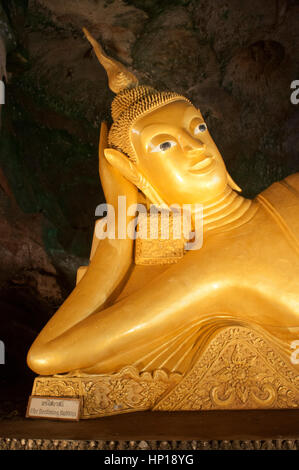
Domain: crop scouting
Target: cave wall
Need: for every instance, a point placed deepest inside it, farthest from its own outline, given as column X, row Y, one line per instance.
column 234, row 60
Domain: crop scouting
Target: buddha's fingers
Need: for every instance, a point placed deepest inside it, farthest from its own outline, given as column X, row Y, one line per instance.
column 113, row 182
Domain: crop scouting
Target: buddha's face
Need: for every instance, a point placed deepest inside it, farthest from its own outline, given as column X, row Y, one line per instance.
column 177, row 155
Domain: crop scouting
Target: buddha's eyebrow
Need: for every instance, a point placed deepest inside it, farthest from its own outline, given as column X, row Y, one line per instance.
column 150, row 131
column 195, row 114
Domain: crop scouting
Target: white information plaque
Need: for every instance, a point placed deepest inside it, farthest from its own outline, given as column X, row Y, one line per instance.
column 54, row 408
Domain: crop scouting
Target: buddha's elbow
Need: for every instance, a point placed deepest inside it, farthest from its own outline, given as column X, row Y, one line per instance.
column 40, row 360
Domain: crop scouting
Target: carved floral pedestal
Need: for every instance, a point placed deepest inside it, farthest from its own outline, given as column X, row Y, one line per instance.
column 239, row 370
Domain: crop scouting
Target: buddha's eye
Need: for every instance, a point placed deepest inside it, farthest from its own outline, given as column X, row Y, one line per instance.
column 163, row 147
column 166, row 145
column 200, row 128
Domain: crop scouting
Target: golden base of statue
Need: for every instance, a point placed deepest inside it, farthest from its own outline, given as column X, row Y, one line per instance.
column 239, row 369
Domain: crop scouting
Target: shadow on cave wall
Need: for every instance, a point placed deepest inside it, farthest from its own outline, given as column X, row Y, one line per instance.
column 235, row 61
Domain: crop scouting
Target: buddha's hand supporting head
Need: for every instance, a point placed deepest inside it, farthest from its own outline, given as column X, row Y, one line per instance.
column 160, row 142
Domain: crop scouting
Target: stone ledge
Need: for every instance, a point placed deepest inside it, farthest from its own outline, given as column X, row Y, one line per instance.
column 56, row 444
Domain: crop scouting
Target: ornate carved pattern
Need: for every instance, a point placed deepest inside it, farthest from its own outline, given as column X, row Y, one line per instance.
column 123, row 392
column 109, row 394
column 56, row 387
column 151, row 251
column 238, row 370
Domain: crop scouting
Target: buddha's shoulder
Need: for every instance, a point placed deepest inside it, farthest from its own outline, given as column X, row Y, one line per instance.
column 293, row 182
column 282, row 200
column 283, row 191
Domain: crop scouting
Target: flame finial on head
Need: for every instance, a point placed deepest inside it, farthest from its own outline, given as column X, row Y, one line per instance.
column 119, row 77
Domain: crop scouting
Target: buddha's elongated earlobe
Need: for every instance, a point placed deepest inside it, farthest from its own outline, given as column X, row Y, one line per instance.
column 232, row 184
column 130, row 172
column 119, row 78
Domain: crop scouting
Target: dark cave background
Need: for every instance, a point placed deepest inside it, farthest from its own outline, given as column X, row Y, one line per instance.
column 234, row 60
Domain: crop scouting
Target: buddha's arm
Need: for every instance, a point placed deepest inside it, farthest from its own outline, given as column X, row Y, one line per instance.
column 190, row 292
column 106, row 272
column 138, row 321
column 110, row 261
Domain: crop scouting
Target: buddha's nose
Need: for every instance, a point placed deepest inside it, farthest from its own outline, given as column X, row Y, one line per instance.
column 193, row 152
column 192, row 147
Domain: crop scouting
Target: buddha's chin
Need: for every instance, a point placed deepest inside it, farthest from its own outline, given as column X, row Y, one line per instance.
column 197, row 188
column 207, row 187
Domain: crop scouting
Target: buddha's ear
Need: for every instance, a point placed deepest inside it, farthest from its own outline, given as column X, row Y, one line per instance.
column 129, row 171
column 232, row 184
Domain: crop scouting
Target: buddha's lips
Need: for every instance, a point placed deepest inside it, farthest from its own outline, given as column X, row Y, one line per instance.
column 202, row 166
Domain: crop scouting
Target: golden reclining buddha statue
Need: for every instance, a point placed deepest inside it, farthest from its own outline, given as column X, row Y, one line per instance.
column 151, row 327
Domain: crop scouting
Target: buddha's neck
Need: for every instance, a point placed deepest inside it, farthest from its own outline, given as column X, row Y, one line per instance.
column 227, row 211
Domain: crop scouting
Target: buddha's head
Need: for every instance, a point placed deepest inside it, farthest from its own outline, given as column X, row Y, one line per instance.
column 160, row 141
